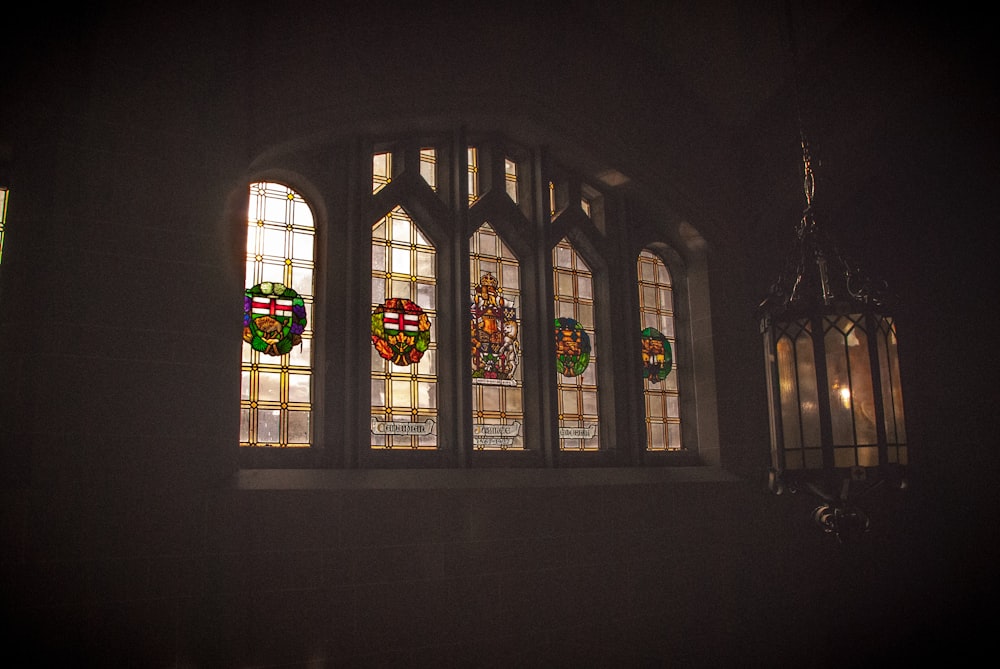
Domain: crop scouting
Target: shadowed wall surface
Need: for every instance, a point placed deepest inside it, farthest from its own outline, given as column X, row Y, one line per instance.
column 131, row 538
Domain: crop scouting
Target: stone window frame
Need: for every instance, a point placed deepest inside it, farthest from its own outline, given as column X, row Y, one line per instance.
column 335, row 178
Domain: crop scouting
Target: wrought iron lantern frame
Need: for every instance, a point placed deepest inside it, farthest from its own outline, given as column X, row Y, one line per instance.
column 834, row 393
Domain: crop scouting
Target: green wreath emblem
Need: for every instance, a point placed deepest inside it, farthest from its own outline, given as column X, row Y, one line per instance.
column 274, row 318
column 401, row 331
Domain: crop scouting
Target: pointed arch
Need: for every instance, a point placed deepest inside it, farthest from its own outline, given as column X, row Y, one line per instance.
column 578, row 402
column 495, row 342
column 404, row 366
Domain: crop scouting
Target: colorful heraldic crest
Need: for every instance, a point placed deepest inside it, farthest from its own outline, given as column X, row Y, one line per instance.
column 572, row 347
column 657, row 356
column 401, row 331
column 496, row 350
column 274, row 317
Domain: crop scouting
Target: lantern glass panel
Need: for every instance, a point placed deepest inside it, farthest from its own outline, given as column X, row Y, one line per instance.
column 868, row 456
column 805, row 364
column 892, row 401
column 862, row 390
column 838, row 373
column 788, row 389
column 813, row 458
column 844, row 457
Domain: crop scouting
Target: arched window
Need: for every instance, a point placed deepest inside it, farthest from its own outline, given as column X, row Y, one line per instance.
column 404, row 352
column 469, row 301
column 497, row 374
column 656, row 309
column 276, row 393
column 576, row 350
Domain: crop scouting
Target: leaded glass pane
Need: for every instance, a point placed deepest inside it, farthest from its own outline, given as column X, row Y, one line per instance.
column 381, row 171
column 270, row 386
column 427, row 365
column 425, row 263
column 497, row 381
column 273, row 243
column 510, row 178
column 272, row 272
column 302, row 277
column 298, row 388
column 268, row 427
column 276, row 371
column 298, row 427
column 404, row 291
column 428, row 167
column 673, row 436
column 473, row 174
column 575, row 354
column 659, row 382
column 244, row 425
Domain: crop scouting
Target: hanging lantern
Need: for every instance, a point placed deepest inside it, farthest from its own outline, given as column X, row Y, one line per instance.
column 836, row 409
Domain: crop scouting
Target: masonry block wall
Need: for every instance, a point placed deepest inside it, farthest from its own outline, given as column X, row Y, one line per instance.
column 693, row 574
column 126, row 542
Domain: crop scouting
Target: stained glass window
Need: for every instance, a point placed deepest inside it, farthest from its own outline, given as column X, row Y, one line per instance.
column 473, row 167
column 276, row 390
column 497, row 411
column 404, row 353
column 576, row 350
column 656, row 308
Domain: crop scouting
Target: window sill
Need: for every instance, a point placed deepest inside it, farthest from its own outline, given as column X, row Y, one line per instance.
column 396, row 479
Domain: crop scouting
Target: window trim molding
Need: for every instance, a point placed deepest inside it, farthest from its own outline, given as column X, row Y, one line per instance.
column 407, row 478
column 346, row 199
